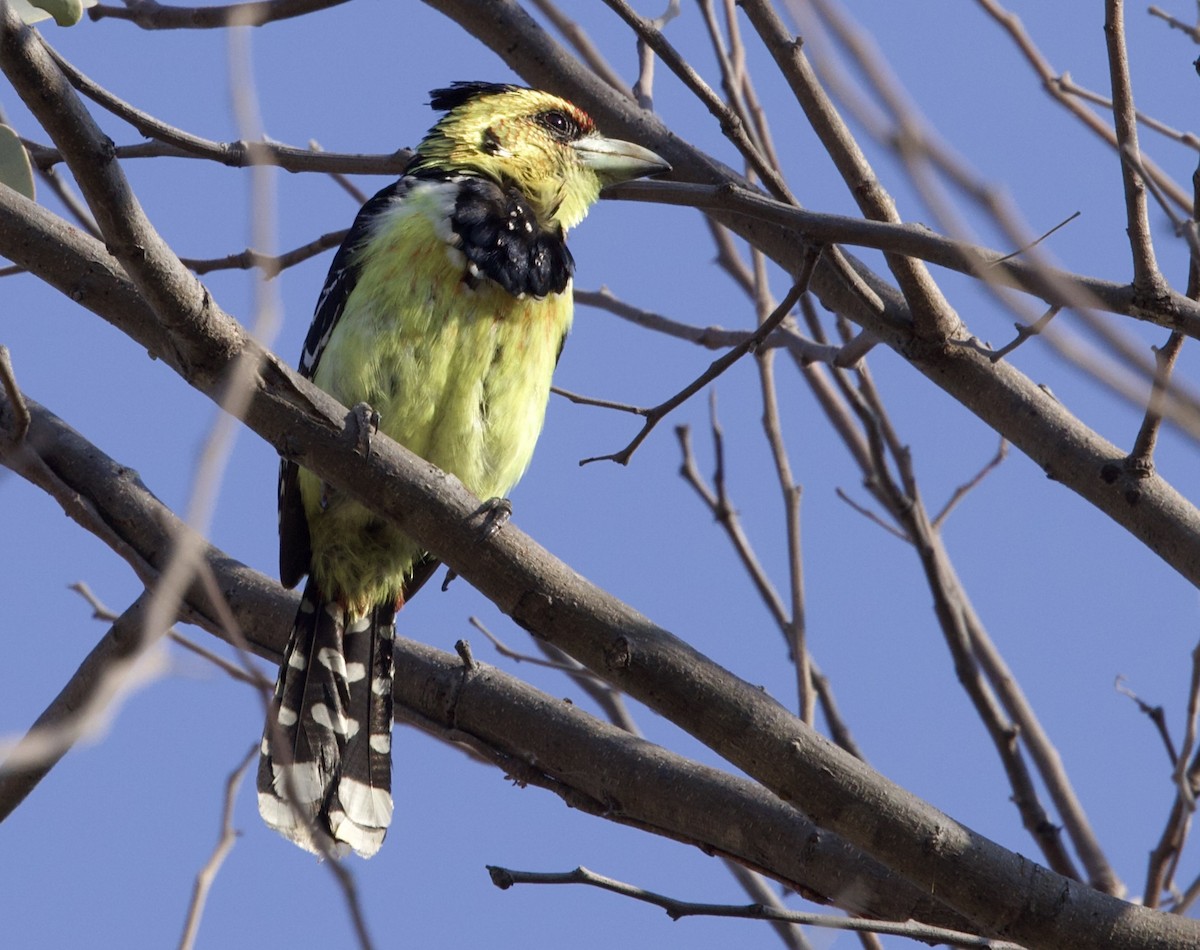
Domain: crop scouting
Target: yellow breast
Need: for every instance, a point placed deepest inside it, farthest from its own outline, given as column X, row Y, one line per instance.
column 458, row 369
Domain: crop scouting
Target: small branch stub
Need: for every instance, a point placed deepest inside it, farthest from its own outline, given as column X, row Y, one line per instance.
column 617, row 654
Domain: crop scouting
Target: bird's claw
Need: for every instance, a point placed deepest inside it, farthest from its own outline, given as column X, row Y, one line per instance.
column 496, row 513
column 366, row 424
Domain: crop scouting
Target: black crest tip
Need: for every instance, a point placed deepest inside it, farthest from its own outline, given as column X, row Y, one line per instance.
column 458, row 93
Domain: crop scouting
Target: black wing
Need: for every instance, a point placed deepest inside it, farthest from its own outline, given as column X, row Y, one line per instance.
column 295, row 549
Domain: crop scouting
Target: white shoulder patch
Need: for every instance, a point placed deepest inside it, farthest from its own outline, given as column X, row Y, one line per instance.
column 435, row 198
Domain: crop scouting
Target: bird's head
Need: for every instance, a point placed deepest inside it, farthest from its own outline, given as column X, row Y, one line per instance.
column 543, row 145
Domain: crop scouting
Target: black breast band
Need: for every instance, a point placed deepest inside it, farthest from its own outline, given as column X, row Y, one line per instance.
column 503, row 240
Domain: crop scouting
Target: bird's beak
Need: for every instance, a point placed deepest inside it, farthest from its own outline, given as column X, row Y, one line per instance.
column 615, row 161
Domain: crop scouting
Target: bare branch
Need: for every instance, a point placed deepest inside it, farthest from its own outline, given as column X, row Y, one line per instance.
column 1055, row 286
column 1048, row 78
column 1141, row 456
column 271, row 265
column 225, row 843
column 16, row 402
column 553, row 744
column 151, row 15
column 83, row 706
column 1146, row 276
column 1192, row 31
column 505, row 878
column 731, row 125
column 1024, row 332
column 583, row 45
column 933, row 318
column 966, row 488
column 234, row 154
column 1156, row 714
column 718, row 366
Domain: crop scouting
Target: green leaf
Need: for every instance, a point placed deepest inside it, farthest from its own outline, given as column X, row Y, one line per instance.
column 15, row 170
column 65, row 12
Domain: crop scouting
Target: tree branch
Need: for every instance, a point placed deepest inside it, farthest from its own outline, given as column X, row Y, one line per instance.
column 151, row 15
column 1146, row 277
column 603, row 769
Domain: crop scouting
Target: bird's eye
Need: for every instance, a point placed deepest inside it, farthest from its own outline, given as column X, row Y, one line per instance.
column 559, row 124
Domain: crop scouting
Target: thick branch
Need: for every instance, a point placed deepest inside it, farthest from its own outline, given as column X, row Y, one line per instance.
column 1002, row 892
column 1057, row 287
column 593, row 766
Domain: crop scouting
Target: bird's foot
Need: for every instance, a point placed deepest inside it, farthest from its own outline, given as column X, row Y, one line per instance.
column 366, row 423
column 496, row 512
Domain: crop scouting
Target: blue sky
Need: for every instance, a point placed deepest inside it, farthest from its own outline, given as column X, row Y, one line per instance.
column 104, row 851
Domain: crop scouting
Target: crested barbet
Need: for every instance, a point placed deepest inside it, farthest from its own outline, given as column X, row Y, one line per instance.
column 444, row 311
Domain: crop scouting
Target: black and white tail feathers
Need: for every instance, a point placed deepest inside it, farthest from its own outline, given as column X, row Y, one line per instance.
column 325, row 773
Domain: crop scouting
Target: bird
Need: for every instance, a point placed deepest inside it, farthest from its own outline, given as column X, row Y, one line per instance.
column 445, row 312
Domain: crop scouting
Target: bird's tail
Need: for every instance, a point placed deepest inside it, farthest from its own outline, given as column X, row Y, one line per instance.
column 325, row 773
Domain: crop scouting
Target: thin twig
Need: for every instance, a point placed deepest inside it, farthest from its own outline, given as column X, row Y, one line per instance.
column 966, row 488
column 726, row 516
column 582, row 44
column 567, row 666
column 271, row 265
column 236, row 154
column 1192, row 31
column 731, row 124
column 718, row 366
column 1067, row 84
column 872, row 516
column 20, row 409
column 1146, row 276
column 796, row 631
column 101, row 612
column 1141, row 456
column 341, row 180
column 581, row 400
column 1024, row 332
column 1038, row 240
column 225, row 842
column 1156, row 714
column 835, row 722
column 1048, row 77
column 505, row 878
column 709, row 337
column 71, row 200
column 151, row 15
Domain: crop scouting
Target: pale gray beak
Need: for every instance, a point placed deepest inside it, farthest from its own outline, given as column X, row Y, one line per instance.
column 615, row 161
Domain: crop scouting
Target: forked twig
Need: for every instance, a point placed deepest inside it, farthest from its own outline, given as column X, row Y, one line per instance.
column 719, row 365
column 225, row 843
